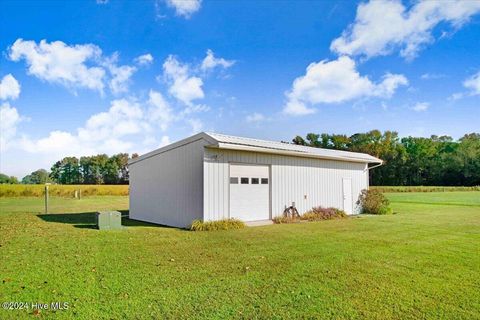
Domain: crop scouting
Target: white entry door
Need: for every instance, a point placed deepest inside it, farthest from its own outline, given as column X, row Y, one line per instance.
column 249, row 192
column 347, row 196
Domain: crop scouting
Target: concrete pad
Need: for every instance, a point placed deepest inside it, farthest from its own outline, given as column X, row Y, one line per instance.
column 258, row 223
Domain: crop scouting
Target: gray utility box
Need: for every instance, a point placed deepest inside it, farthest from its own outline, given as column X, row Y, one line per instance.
column 108, row 220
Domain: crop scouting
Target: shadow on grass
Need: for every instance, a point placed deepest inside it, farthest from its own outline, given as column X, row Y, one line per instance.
column 86, row 220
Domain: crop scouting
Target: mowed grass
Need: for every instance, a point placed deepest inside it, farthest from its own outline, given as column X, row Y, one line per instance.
column 457, row 198
column 422, row 262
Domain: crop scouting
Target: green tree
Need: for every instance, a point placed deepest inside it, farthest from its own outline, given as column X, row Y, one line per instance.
column 39, row 176
column 4, row 179
column 438, row 160
column 67, row 171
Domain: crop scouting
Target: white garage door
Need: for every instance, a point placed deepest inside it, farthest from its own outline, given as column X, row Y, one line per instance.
column 249, row 192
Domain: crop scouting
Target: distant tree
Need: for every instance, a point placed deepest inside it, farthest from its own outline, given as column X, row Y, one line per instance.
column 67, row 171
column 121, row 160
column 98, row 169
column 468, row 158
column 4, row 179
column 299, row 140
column 438, row 160
column 39, row 176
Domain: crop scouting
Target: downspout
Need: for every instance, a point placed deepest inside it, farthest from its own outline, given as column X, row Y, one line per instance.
column 368, row 173
column 378, row 165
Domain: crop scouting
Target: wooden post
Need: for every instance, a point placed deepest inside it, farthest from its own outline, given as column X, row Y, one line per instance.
column 46, row 197
column 79, row 194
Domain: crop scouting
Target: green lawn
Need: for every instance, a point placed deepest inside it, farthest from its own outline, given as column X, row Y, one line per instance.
column 422, row 262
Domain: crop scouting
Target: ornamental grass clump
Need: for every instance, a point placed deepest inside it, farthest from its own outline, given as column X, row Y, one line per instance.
column 285, row 219
column 226, row 224
column 321, row 213
column 374, row 202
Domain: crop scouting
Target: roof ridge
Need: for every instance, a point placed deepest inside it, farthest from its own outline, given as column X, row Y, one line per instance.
column 288, row 144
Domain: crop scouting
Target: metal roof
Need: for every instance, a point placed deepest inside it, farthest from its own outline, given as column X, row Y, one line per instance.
column 249, row 144
column 222, row 141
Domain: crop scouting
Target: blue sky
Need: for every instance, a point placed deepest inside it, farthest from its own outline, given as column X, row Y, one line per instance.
column 88, row 77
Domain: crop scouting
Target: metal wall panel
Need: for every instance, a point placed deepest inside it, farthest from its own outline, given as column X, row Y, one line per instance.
column 167, row 188
column 308, row 182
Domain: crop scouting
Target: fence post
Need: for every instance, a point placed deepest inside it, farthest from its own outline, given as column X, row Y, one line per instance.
column 46, row 197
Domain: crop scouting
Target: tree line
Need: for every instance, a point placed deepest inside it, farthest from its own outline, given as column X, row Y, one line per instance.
column 98, row 169
column 410, row 161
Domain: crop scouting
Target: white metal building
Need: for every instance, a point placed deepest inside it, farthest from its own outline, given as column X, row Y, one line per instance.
column 211, row 176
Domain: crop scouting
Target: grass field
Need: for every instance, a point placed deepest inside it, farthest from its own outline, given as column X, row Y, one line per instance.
column 386, row 189
column 422, row 262
column 68, row 191
column 59, row 190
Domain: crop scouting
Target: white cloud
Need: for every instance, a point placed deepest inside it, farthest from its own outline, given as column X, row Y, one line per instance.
column 421, row 106
column 105, row 132
column 9, row 120
column 184, row 8
column 197, row 125
column 383, row 26
column 57, row 62
column 120, row 75
column 473, row 83
column 194, row 109
column 182, row 85
column 144, row 60
column 127, row 126
column 164, row 141
column 456, row 96
column 334, row 82
column 159, row 111
column 9, row 88
column 432, row 76
column 122, row 119
column 75, row 66
column 121, row 78
column 255, row 117
column 210, row 62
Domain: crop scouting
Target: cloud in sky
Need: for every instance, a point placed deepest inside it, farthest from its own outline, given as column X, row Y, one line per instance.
column 129, row 125
column 57, row 62
column 159, row 111
column 421, row 106
column 184, row 8
column 255, row 117
column 211, row 62
column 118, row 129
column 473, row 83
column 9, row 88
column 120, row 75
column 197, row 125
column 182, row 84
column 73, row 66
column 9, row 120
column 111, row 131
column 383, row 26
column 165, row 140
column 334, row 82
column 432, row 76
column 144, row 59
